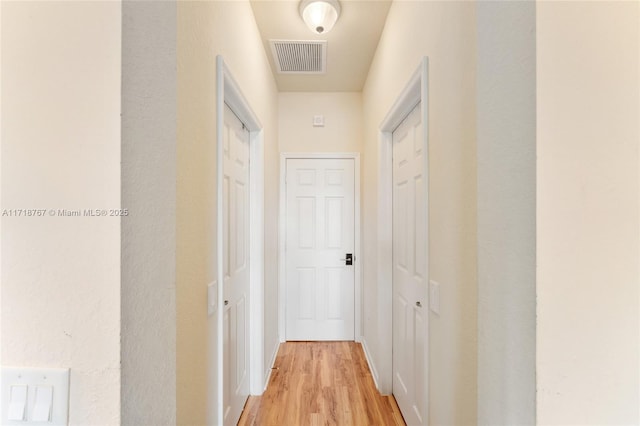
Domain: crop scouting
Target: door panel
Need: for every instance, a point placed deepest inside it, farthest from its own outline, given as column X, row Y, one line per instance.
column 333, row 215
column 320, row 231
column 306, row 285
column 409, row 269
column 306, row 222
column 236, row 266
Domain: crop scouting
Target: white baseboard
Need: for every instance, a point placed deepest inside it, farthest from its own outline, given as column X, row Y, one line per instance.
column 372, row 366
column 267, row 376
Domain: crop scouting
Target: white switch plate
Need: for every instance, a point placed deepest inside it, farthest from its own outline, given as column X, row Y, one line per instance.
column 212, row 298
column 434, row 297
column 56, row 378
column 318, row 121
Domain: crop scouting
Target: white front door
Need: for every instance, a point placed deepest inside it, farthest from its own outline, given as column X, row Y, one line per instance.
column 319, row 236
column 409, row 269
column 236, row 266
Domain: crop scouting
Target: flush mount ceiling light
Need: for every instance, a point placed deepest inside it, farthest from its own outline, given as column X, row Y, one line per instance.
column 320, row 15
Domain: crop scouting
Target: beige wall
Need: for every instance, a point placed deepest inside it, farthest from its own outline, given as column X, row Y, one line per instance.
column 207, row 29
column 342, row 131
column 61, row 150
column 445, row 32
column 587, row 213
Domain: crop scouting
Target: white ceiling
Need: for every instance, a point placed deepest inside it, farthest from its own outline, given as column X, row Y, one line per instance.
column 351, row 43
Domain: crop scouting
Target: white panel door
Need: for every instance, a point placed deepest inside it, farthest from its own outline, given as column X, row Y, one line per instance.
column 319, row 234
column 236, row 266
column 409, row 269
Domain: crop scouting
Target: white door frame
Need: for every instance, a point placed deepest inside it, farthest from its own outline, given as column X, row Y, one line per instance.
column 283, row 233
column 416, row 91
column 228, row 91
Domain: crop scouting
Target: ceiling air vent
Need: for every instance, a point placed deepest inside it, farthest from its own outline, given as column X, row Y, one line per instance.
column 299, row 57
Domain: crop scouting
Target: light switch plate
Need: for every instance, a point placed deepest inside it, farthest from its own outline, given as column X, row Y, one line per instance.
column 55, row 378
column 212, row 298
column 318, row 121
column 434, row 297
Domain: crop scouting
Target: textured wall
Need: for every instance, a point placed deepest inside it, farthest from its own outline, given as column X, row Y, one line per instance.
column 588, row 111
column 61, row 150
column 148, row 232
column 445, row 32
column 506, row 94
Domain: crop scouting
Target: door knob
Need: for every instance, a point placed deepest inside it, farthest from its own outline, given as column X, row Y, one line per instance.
column 418, row 304
column 348, row 260
column 226, row 302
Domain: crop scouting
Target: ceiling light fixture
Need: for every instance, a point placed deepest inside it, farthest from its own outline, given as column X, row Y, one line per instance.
column 320, row 15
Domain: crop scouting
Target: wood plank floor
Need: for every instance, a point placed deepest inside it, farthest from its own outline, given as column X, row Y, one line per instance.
column 321, row 383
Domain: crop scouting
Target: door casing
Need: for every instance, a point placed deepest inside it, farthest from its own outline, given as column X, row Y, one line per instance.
column 282, row 231
column 228, row 91
column 416, row 91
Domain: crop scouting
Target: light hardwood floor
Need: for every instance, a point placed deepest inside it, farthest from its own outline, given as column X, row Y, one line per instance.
column 321, row 383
